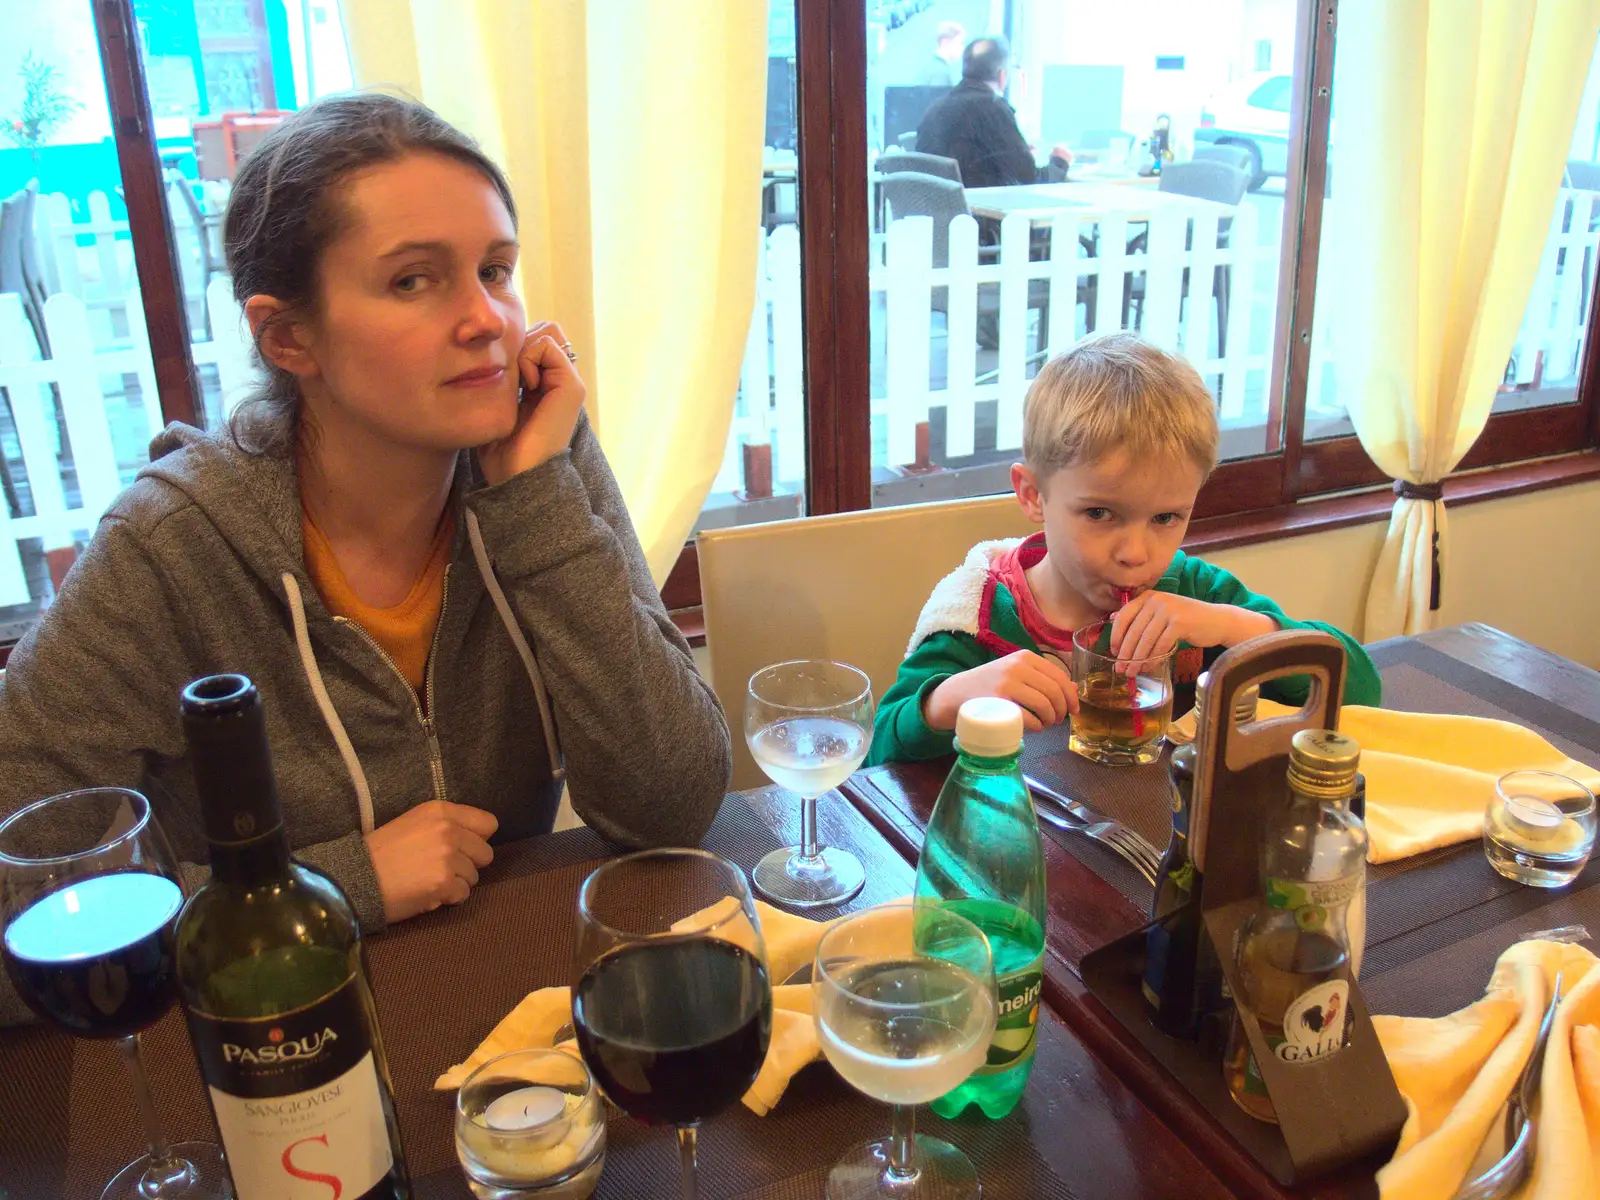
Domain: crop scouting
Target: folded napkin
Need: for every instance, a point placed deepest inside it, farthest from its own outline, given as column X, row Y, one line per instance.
column 1457, row 1072
column 1430, row 777
column 791, row 943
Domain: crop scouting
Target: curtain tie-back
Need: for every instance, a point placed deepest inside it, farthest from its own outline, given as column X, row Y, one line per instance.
column 1407, row 490
column 1434, row 492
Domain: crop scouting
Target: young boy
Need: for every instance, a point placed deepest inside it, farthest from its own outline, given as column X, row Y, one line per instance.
column 1117, row 438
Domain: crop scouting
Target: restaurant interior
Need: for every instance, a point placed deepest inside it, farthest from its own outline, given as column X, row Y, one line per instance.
column 996, row 599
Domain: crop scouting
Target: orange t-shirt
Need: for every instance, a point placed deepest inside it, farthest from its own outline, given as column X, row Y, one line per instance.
column 405, row 631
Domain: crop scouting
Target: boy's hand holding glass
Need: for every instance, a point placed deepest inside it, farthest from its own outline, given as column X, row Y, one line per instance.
column 1037, row 683
column 1153, row 623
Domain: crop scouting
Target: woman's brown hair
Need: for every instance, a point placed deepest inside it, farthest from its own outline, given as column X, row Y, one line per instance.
column 284, row 212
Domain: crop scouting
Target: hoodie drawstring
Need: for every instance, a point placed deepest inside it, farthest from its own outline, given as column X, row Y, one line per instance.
column 524, row 651
column 330, row 715
column 308, row 660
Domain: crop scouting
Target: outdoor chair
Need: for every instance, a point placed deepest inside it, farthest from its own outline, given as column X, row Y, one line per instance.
column 1204, row 180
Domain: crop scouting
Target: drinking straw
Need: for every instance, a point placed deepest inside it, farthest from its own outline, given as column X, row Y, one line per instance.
column 1123, row 596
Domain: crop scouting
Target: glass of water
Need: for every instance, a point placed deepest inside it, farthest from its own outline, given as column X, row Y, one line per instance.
column 808, row 724
column 1539, row 828
column 904, row 1000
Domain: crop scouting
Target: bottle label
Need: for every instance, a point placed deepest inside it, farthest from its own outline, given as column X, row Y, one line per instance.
column 297, row 1099
column 1314, row 1024
column 1311, row 900
column 1016, row 1031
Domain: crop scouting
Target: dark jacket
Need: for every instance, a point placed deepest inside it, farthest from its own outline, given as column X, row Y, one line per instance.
column 975, row 126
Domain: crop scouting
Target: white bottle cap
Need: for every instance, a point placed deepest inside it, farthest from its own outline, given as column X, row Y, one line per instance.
column 989, row 727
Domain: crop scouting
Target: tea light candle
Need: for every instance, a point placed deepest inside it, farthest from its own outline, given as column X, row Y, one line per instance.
column 525, row 1109
column 1533, row 819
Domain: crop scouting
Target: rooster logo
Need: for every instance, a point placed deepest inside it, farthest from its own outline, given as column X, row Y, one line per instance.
column 1319, row 1018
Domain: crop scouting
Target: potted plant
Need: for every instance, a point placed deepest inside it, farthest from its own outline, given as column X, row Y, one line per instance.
column 45, row 106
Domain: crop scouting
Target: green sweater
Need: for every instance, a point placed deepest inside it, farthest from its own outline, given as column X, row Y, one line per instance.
column 900, row 733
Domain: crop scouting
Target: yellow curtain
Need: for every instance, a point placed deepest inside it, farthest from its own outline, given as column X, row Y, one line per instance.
column 632, row 137
column 1452, row 124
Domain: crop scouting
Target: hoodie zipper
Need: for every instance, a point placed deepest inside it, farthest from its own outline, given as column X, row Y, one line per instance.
column 425, row 712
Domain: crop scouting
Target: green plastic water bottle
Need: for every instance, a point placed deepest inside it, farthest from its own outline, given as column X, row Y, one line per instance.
column 982, row 857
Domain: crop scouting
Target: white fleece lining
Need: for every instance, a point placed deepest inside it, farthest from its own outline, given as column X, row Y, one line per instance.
column 953, row 606
column 524, row 651
column 308, row 660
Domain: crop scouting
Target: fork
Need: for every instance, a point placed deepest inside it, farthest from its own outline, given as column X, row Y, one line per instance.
column 1507, row 1175
column 1138, row 852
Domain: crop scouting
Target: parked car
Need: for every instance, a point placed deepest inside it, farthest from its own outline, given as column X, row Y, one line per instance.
column 1255, row 117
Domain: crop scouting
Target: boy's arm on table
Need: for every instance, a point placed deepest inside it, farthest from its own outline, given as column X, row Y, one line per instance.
column 900, row 733
column 1361, row 683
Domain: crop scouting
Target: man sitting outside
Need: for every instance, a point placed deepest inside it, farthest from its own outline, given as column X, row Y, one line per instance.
column 977, row 127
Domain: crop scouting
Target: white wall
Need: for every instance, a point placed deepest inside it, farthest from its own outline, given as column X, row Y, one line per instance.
column 1216, row 38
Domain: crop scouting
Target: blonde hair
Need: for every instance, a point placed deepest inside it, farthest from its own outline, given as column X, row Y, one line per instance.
column 1116, row 391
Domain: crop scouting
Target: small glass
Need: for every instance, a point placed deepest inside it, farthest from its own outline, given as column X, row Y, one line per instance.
column 808, row 724
column 530, row 1123
column 903, row 996
column 1539, row 828
column 1124, row 705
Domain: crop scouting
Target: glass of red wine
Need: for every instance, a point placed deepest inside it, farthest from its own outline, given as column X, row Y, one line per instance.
column 89, row 899
column 671, row 1000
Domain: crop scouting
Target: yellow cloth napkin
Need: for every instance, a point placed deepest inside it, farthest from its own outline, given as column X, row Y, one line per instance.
column 1430, row 777
column 1456, row 1073
column 791, row 943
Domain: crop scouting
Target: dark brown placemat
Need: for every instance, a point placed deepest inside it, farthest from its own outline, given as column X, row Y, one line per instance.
column 442, row 981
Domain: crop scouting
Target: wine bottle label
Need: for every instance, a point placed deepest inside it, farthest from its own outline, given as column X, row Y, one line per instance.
column 1314, row 1024
column 297, row 1099
column 1017, row 1030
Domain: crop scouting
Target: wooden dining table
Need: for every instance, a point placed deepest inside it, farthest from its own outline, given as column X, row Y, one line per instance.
column 442, row 981
column 1434, row 930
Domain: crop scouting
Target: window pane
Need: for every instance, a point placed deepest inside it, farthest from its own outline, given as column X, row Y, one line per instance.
column 75, row 370
column 984, row 261
column 764, row 464
column 71, row 438
column 1544, row 363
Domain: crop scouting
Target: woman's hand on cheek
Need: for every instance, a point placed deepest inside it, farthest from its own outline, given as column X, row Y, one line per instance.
column 552, row 395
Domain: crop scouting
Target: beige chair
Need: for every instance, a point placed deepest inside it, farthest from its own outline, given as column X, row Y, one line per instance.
column 847, row 587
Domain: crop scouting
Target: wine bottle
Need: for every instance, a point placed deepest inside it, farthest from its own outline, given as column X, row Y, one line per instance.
column 273, row 984
column 1183, row 981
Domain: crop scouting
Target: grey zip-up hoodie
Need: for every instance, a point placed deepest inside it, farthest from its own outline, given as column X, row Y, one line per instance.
column 549, row 611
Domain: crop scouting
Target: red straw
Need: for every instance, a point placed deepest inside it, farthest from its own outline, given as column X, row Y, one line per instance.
column 1123, row 596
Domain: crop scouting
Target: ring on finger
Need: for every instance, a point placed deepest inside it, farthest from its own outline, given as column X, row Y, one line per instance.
column 566, row 348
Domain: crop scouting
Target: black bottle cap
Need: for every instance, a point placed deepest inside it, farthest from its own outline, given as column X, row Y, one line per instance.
column 226, row 727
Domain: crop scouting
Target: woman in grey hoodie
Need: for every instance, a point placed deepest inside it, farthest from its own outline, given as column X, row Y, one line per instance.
column 411, row 418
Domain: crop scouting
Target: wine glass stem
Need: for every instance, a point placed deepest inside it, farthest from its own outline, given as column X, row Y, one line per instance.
column 810, row 850
column 903, row 1144
column 687, row 1135
column 163, row 1164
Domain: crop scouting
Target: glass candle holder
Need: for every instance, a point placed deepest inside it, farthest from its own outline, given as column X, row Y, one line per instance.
column 531, row 1123
column 1539, row 828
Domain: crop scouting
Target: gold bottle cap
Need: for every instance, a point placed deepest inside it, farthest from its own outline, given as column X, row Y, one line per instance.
column 1244, row 701
column 1323, row 763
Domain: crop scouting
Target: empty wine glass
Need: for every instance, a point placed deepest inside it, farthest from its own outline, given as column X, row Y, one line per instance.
column 89, row 898
column 904, row 1001
column 808, row 724
column 671, row 1000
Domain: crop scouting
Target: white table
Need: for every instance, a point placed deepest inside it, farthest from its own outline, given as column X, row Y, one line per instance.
column 1045, row 201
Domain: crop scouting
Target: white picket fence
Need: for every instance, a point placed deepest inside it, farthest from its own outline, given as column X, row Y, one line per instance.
column 1558, row 305
column 904, row 281
column 102, row 274
column 79, row 359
